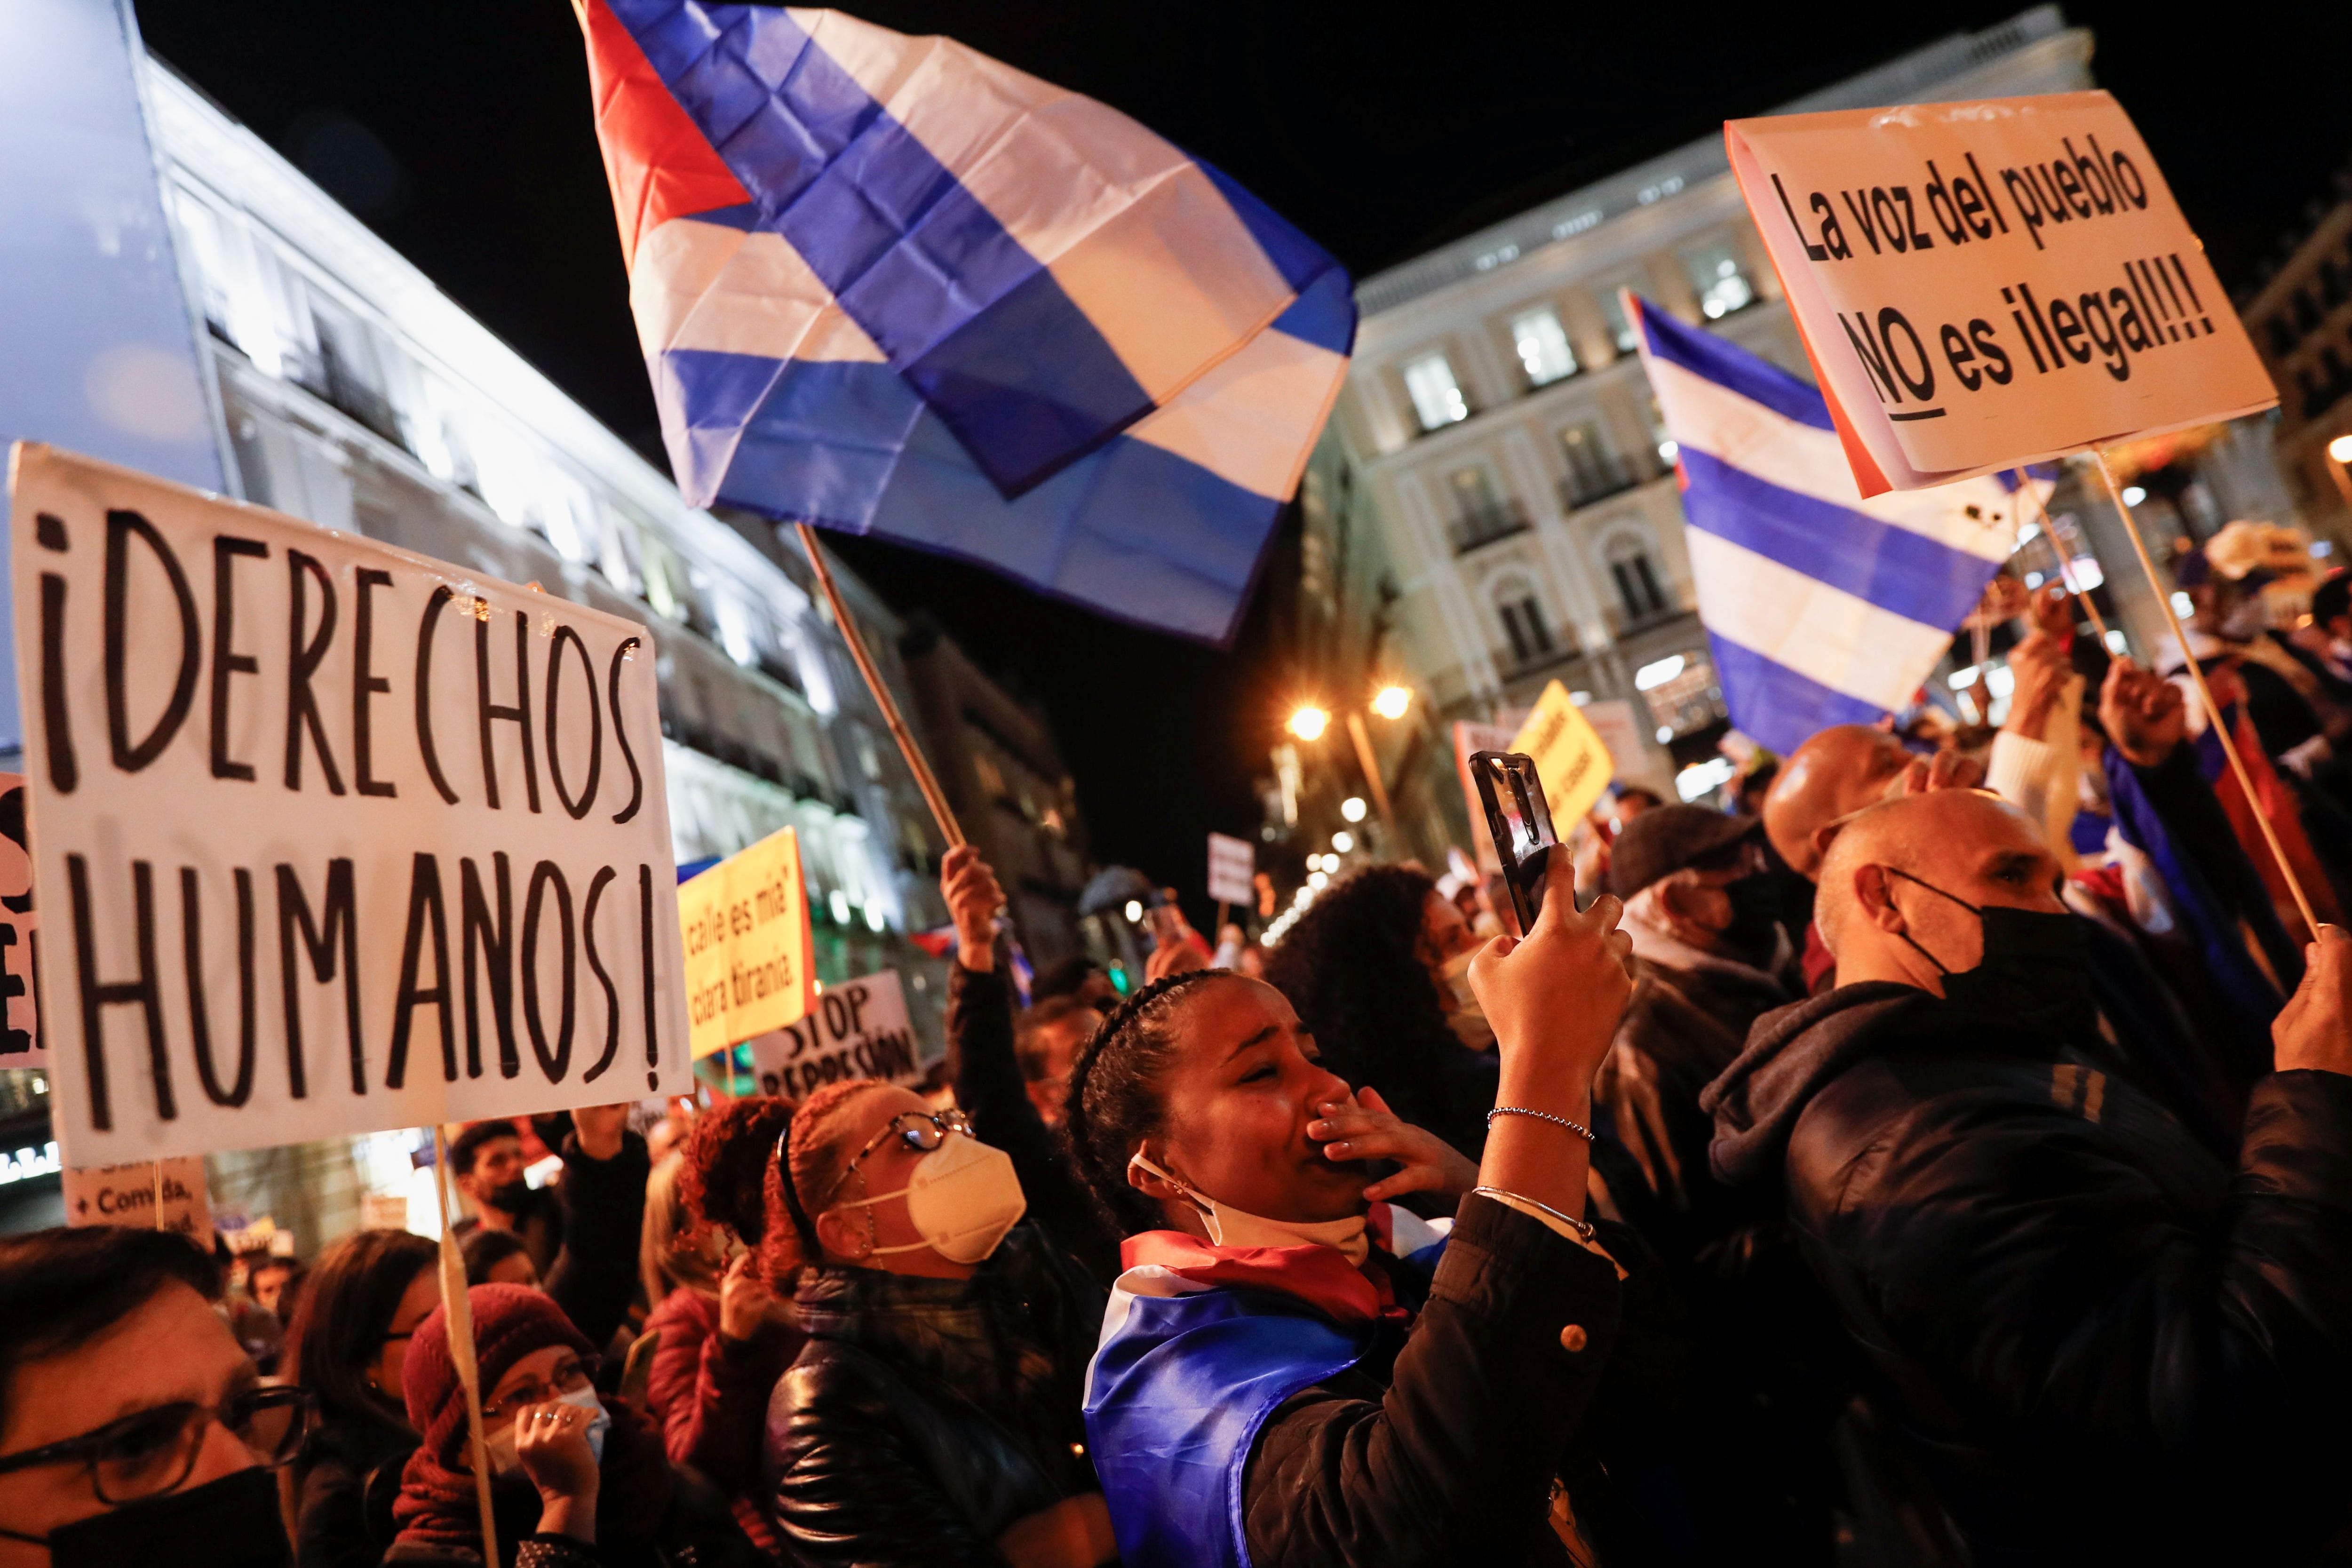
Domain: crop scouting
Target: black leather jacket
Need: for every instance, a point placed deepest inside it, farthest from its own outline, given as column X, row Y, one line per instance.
column 2109, row 1346
column 925, row 1416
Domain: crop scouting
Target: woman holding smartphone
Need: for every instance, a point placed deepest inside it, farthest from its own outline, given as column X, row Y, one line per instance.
column 1294, row 1372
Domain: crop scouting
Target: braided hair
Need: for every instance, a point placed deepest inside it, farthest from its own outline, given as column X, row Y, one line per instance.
column 1114, row 1100
column 801, row 1177
column 726, row 1156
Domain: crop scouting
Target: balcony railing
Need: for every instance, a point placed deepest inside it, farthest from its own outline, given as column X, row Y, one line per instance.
column 1623, row 622
column 1511, row 665
column 1613, row 478
column 1475, row 527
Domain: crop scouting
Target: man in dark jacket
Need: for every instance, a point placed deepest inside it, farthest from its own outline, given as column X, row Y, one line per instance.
column 2107, row 1344
column 594, row 1216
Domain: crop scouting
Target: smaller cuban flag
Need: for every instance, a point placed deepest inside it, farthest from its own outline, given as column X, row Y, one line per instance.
column 1821, row 608
column 891, row 286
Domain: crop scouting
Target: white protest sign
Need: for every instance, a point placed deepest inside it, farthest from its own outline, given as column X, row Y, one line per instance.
column 125, row 1195
column 21, row 1044
column 338, row 837
column 1468, row 741
column 858, row 1028
column 1983, row 285
column 1232, row 863
column 1613, row 721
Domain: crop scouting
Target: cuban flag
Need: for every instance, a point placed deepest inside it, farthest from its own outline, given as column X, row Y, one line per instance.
column 890, row 285
column 1821, row 607
column 1199, row 1343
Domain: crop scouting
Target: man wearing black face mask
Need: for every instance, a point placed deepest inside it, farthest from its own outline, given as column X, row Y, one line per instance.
column 133, row 1427
column 582, row 1236
column 2105, row 1343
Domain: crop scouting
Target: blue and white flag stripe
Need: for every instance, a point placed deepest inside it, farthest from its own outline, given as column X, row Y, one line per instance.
column 962, row 307
column 1823, row 608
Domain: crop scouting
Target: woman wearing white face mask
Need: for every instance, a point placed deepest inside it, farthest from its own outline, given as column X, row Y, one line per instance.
column 577, row 1480
column 933, row 1415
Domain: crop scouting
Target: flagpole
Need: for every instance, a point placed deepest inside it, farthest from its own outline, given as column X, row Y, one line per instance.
column 2205, row 693
column 924, row 780
column 457, row 1321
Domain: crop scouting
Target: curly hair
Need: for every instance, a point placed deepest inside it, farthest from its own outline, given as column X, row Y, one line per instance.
column 801, row 1172
column 723, row 1181
column 1114, row 1102
column 1354, row 968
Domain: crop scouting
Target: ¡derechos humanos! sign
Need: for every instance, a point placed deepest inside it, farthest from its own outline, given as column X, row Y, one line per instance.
column 1984, row 285
column 327, row 837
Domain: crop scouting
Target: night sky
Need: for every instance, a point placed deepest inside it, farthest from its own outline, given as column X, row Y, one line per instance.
column 459, row 130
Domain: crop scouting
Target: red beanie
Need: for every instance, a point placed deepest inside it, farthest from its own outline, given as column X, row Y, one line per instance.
column 510, row 1322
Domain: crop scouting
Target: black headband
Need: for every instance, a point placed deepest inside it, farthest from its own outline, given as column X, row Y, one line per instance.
column 792, row 1194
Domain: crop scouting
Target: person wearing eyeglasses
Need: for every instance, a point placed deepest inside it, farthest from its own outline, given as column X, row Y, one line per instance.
column 133, row 1427
column 933, row 1416
column 577, row 1480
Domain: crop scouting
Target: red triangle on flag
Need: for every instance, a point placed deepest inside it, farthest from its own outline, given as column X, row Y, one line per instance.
column 658, row 161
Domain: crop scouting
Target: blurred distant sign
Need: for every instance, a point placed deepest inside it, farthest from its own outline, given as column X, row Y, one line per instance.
column 746, row 925
column 1232, row 863
column 1468, row 739
column 1571, row 757
column 858, row 1028
column 1990, row 284
column 21, row 1044
column 126, row 1195
column 1619, row 730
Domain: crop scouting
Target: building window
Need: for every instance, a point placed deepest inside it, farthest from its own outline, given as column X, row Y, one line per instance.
column 1523, row 624
column 1621, row 325
column 1436, row 396
column 1481, row 514
column 1640, row 597
column 1722, row 285
column 1543, row 347
column 1593, row 471
column 1665, row 440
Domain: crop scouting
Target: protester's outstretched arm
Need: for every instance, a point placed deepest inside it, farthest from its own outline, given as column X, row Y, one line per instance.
column 1454, row 1464
column 605, row 1167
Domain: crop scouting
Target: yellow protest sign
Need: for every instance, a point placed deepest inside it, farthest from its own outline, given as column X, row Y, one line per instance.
column 1981, row 285
column 1571, row 757
column 746, row 923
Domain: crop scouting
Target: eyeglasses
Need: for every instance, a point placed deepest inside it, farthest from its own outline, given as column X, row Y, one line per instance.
column 921, row 1131
column 570, row 1377
column 151, row 1452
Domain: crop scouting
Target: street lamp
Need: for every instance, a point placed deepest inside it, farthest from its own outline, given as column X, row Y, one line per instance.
column 1352, row 808
column 1390, row 701
column 1310, row 723
column 1343, row 842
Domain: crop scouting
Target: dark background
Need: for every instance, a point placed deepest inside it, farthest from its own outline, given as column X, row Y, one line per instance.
column 459, row 130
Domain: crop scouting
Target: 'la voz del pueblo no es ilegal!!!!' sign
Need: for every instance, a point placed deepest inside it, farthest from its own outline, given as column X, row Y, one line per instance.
column 327, row 837
column 1982, row 285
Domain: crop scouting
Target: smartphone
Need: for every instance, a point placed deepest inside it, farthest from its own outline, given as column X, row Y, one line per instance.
column 1520, row 823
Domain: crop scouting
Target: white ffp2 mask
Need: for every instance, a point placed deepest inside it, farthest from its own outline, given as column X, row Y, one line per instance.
column 962, row 1197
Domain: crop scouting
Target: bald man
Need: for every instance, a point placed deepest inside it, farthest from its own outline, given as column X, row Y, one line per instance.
column 2111, row 1345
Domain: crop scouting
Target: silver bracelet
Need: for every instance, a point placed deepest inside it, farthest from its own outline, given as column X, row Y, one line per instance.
column 1578, row 1127
column 1499, row 1195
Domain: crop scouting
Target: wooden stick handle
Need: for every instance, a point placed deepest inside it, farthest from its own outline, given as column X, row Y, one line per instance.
column 2213, row 709
column 924, row 779
column 458, row 1315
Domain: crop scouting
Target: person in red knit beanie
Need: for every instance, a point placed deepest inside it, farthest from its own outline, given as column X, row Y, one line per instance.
column 579, row 1479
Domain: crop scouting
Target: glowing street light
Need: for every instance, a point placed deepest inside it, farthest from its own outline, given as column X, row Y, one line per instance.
column 1352, row 808
column 1310, row 723
column 1343, row 842
column 2341, row 448
column 1390, row 701
column 1318, row 880
column 1134, row 909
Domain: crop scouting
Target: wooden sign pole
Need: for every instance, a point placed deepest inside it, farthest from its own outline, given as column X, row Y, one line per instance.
column 2213, row 709
column 459, row 1321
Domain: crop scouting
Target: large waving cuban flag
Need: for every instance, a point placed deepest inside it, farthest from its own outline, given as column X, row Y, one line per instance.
column 1821, row 607
column 888, row 284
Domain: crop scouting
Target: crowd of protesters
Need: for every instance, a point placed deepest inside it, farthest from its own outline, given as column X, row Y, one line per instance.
column 1943, row 1158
